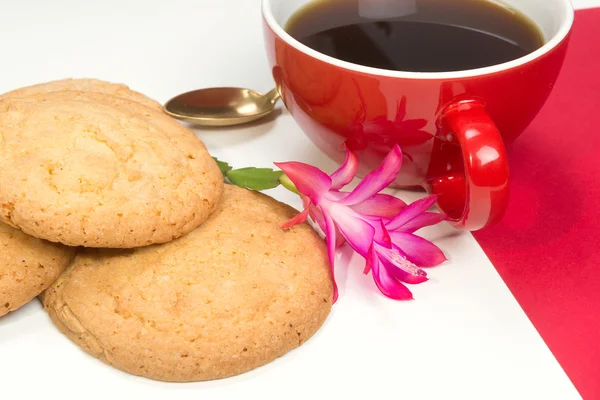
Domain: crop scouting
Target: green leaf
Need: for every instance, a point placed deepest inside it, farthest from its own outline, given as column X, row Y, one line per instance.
column 254, row 178
column 223, row 166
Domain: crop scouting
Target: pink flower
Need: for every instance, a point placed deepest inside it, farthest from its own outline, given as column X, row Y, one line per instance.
column 377, row 226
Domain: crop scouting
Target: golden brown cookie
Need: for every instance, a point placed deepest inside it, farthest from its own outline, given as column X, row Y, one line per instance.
column 232, row 295
column 84, row 173
column 27, row 267
column 160, row 119
column 85, row 85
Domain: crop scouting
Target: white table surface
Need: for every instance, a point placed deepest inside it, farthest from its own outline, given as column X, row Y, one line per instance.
column 465, row 337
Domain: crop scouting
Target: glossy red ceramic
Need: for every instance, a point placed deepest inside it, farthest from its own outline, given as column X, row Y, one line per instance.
column 451, row 127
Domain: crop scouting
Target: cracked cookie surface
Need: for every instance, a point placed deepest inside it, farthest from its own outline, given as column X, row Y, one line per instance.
column 27, row 267
column 86, row 173
column 86, row 85
column 232, row 295
column 157, row 118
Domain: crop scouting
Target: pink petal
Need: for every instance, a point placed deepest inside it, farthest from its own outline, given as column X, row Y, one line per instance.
column 337, row 195
column 370, row 259
column 298, row 219
column 310, row 181
column 346, row 172
column 411, row 212
column 378, row 179
column 305, row 201
column 330, row 235
column 357, row 232
column 418, row 250
column 387, row 241
column 386, row 282
column 380, row 205
column 403, row 276
column 317, row 215
column 399, row 266
column 425, row 219
column 339, row 242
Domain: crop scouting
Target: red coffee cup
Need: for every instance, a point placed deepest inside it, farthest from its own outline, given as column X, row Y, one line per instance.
column 452, row 127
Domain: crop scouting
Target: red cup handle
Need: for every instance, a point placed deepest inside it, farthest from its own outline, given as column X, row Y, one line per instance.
column 477, row 197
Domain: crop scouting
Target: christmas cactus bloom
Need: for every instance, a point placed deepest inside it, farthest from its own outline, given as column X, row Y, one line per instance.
column 377, row 226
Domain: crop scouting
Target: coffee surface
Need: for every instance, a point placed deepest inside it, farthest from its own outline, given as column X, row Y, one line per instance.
column 416, row 35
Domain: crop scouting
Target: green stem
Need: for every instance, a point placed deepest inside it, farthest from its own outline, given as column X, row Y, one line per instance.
column 288, row 184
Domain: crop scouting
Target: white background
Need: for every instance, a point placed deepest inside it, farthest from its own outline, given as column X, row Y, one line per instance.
column 464, row 337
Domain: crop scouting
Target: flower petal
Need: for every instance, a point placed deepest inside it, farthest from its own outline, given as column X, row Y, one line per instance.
column 380, row 205
column 298, row 219
column 310, row 181
column 330, row 235
column 423, row 220
column 412, row 211
column 399, row 266
column 317, row 215
column 387, row 241
column 418, row 250
column 370, row 259
column 386, row 282
column 357, row 232
column 377, row 179
column 346, row 172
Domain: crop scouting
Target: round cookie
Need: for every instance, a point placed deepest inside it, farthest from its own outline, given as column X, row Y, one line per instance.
column 160, row 119
column 234, row 294
column 27, row 267
column 84, row 173
column 86, row 85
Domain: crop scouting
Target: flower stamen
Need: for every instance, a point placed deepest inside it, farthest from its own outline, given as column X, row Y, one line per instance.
column 406, row 265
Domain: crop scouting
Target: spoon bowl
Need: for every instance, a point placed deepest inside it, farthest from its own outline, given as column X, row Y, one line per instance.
column 225, row 106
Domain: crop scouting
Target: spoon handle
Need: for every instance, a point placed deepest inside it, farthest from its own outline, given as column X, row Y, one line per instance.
column 273, row 96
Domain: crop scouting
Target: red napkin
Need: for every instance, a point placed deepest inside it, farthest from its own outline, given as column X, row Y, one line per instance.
column 547, row 248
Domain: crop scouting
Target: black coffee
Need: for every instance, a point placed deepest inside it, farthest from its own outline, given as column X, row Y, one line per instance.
column 416, row 35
